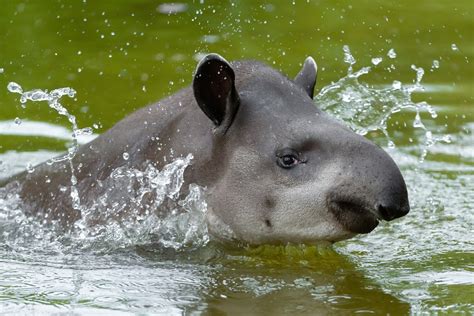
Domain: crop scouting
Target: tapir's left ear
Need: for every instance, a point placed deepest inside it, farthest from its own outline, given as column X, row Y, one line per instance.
column 214, row 90
column 306, row 78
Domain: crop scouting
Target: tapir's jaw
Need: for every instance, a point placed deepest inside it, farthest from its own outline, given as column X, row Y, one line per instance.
column 353, row 215
column 360, row 217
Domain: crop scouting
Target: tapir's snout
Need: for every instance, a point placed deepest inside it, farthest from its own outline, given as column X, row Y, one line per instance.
column 372, row 189
column 389, row 211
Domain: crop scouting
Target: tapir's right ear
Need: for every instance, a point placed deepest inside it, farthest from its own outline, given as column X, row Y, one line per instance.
column 214, row 90
column 306, row 78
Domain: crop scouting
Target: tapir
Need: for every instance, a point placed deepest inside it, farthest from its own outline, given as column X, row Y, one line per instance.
column 276, row 168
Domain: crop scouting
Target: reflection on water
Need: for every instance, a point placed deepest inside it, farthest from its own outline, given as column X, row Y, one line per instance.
column 210, row 280
column 124, row 55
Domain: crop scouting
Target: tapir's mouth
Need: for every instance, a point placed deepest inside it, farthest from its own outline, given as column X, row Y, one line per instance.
column 353, row 215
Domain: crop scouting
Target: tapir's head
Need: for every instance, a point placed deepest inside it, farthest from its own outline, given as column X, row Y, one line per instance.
column 287, row 171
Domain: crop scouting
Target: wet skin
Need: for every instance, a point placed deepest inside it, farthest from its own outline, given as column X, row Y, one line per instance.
column 276, row 168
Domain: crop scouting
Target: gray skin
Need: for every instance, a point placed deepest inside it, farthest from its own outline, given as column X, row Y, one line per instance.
column 277, row 169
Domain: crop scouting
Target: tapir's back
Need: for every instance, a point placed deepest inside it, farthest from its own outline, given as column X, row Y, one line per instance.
column 142, row 136
column 172, row 127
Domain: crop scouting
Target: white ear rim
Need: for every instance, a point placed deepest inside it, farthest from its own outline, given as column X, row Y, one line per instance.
column 307, row 76
column 208, row 57
column 310, row 60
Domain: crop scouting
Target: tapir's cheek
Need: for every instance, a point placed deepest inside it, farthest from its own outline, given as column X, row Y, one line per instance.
column 269, row 203
column 299, row 214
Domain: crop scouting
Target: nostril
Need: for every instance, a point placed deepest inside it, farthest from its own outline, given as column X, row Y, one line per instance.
column 390, row 212
column 384, row 212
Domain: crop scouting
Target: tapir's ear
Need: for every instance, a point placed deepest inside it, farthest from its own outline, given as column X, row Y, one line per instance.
column 306, row 78
column 214, row 90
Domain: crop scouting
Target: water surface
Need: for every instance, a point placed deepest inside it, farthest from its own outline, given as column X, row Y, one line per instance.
column 123, row 55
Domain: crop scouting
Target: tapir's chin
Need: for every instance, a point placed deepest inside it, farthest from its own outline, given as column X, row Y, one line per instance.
column 353, row 215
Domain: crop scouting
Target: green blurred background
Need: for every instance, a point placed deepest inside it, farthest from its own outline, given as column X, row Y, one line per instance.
column 121, row 55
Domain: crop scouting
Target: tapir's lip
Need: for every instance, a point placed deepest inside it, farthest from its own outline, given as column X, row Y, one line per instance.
column 353, row 214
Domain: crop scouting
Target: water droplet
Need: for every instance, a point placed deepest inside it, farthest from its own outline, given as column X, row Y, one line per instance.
column 376, row 60
column 447, row 138
column 435, row 64
column 397, row 85
column 424, row 152
column 454, row 47
column 346, row 97
column 29, row 167
column 430, row 110
column 417, row 123
column 76, row 202
column 82, row 131
column 419, row 74
column 348, row 58
column 126, row 156
column 391, row 53
column 2, row 70
column 14, row 87
column 17, row 121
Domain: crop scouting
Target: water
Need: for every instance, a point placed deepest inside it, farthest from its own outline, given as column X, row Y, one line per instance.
column 377, row 73
column 367, row 108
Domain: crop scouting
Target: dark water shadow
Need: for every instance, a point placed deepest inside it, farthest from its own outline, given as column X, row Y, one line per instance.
column 273, row 280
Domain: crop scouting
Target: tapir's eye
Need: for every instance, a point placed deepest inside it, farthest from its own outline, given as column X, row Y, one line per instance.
column 288, row 158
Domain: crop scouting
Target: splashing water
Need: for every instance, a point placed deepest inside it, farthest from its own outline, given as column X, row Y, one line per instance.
column 53, row 98
column 152, row 211
column 392, row 54
column 367, row 108
column 149, row 210
column 146, row 206
column 348, row 58
column 376, row 60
